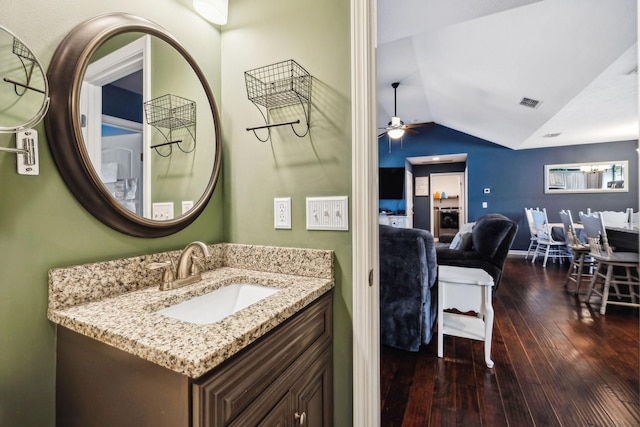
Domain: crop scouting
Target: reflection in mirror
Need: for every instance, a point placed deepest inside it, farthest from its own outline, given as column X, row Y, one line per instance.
column 24, row 93
column 102, row 140
column 138, row 118
column 592, row 177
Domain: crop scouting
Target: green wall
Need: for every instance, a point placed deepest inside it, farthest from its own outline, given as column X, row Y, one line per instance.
column 41, row 224
column 316, row 34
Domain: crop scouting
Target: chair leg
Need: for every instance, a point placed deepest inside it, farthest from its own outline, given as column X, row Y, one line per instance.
column 605, row 290
column 630, row 281
column 580, row 259
column 575, row 268
column 592, row 283
column 535, row 254
column 634, row 289
column 529, row 249
column 546, row 256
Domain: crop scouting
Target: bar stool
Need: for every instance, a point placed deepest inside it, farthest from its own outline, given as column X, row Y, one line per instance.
column 465, row 289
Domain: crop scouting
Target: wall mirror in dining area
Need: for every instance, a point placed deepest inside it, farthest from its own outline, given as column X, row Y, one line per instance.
column 24, row 91
column 587, row 177
column 134, row 128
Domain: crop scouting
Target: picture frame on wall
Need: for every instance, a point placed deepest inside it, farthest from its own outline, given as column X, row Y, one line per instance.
column 422, row 186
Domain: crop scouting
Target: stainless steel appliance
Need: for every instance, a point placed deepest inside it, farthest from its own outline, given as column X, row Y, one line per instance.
column 448, row 221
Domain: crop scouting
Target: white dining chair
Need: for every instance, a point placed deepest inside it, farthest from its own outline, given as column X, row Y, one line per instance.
column 606, row 262
column 634, row 218
column 614, row 218
column 533, row 240
column 580, row 258
column 547, row 245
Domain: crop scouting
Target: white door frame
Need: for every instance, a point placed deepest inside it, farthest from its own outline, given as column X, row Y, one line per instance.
column 128, row 59
column 364, row 149
column 408, row 185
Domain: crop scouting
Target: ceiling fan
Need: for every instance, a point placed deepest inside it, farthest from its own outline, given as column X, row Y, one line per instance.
column 396, row 127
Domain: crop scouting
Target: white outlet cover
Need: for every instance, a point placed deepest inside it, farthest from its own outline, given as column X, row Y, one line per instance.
column 328, row 213
column 282, row 213
column 186, row 206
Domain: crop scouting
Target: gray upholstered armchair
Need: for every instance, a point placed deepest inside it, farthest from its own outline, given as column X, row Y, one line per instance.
column 408, row 300
column 486, row 247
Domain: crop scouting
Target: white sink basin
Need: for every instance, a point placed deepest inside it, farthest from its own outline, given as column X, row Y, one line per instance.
column 216, row 305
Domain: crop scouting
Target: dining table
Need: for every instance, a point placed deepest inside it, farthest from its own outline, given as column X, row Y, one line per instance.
column 622, row 238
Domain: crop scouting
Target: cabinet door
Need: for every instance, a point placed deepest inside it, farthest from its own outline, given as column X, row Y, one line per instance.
column 261, row 415
column 312, row 394
column 254, row 381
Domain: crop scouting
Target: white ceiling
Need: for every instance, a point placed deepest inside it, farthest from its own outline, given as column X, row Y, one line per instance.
column 466, row 64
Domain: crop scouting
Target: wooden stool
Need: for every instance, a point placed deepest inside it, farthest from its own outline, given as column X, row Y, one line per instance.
column 465, row 289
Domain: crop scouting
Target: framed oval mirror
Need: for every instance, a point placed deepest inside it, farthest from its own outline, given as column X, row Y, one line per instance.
column 24, row 92
column 133, row 128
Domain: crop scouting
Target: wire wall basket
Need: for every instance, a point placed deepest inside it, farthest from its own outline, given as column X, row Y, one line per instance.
column 22, row 51
column 169, row 113
column 279, row 85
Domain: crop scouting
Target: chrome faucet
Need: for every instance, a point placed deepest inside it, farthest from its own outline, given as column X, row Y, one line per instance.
column 186, row 272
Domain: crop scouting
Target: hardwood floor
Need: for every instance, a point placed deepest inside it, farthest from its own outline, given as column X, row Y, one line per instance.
column 558, row 362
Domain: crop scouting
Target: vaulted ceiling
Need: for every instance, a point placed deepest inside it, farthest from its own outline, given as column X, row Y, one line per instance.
column 468, row 64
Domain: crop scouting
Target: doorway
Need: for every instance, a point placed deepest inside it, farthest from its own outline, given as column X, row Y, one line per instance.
column 448, row 201
column 114, row 133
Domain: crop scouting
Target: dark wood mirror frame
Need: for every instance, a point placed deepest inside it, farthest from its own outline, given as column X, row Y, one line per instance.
column 64, row 135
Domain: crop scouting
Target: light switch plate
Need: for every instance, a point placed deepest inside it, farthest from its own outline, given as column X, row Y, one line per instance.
column 485, row 205
column 328, row 213
column 162, row 211
column 282, row 213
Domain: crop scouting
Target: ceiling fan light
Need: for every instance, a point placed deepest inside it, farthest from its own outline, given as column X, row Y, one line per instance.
column 395, row 133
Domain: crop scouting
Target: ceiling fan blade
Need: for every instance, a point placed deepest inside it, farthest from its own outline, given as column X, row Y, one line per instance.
column 412, row 132
column 417, row 125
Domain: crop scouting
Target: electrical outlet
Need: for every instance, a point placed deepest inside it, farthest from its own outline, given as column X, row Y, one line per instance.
column 162, row 211
column 186, row 206
column 328, row 213
column 282, row 212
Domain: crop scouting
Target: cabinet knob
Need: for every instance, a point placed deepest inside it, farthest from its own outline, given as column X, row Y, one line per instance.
column 301, row 417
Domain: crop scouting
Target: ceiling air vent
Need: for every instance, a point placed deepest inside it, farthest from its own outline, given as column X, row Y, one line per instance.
column 551, row 135
column 531, row 103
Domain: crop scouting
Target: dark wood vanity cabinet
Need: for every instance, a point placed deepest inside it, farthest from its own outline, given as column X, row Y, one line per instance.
column 285, row 378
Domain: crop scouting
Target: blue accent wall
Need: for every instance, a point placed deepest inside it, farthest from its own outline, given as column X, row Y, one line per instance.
column 118, row 102
column 515, row 177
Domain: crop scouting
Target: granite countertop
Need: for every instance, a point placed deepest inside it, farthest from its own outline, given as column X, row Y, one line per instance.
column 123, row 314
